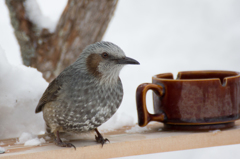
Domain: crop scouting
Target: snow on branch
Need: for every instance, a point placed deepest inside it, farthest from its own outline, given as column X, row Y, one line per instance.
column 34, row 14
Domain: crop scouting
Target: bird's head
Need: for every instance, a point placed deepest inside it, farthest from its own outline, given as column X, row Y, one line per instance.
column 105, row 60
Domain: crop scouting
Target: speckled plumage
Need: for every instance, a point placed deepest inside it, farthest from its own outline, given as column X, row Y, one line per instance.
column 87, row 93
column 82, row 104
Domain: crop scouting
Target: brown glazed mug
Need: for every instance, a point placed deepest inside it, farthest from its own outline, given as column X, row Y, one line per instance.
column 196, row 100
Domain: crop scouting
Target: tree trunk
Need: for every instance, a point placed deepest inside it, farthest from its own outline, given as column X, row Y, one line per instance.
column 82, row 22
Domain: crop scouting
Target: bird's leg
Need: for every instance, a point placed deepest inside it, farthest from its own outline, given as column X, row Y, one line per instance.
column 60, row 143
column 99, row 138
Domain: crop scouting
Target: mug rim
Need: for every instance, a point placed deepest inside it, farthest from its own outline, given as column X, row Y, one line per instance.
column 237, row 74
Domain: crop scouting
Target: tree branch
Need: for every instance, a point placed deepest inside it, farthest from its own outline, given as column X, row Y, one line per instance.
column 82, row 22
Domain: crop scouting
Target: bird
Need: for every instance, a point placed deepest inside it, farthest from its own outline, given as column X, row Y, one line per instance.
column 85, row 94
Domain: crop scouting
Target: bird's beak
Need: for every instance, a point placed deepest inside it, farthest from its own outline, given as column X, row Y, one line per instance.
column 127, row 60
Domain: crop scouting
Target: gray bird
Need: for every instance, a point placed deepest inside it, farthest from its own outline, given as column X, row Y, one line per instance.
column 86, row 93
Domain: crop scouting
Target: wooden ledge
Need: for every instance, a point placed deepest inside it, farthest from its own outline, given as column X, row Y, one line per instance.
column 122, row 144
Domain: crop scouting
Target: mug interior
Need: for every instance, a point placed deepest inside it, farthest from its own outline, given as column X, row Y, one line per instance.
column 200, row 75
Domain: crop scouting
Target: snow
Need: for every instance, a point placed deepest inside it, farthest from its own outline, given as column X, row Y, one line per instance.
column 215, row 131
column 29, row 139
column 21, row 87
column 24, row 137
column 41, row 132
column 2, row 150
column 137, row 129
column 35, row 15
column 164, row 36
column 35, row 142
column 8, row 40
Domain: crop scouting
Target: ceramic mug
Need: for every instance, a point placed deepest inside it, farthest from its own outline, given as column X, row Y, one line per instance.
column 196, row 100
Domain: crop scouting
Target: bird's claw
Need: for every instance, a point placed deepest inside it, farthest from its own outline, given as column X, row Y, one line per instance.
column 64, row 144
column 101, row 140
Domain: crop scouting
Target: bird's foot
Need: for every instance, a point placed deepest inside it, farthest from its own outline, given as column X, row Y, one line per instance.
column 60, row 143
column 99, row 138
column 63, row 144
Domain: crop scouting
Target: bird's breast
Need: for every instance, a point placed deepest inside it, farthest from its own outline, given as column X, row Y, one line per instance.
column 87, row 107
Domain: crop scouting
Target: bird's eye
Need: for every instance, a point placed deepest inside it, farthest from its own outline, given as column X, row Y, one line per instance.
column 105, row 55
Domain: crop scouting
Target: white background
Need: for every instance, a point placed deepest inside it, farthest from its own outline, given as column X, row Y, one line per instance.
column 164, row 36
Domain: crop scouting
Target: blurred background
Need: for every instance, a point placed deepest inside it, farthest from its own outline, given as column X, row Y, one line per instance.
column 164, row 36
column 172, row 36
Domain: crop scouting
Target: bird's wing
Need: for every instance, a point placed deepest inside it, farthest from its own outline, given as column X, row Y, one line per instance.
column 49, row 95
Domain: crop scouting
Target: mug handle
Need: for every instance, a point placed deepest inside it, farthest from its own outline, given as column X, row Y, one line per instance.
column 144, row 117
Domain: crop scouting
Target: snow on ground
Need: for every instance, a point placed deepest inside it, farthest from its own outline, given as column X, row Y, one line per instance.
column 35, row 142
column 215, row 131
column 164, row 36
column 24, row 137
column 2, row 150
column 137, row 129
column 29, row 139
column 21, row 87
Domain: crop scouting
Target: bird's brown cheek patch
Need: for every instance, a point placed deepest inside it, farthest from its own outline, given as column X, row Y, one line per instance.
column 93, row 61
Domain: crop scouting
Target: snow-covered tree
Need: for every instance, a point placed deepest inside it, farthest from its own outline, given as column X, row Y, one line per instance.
column 51, row 47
